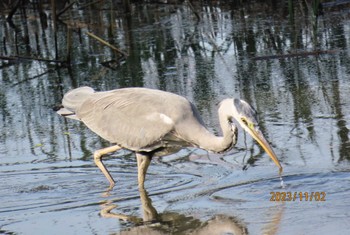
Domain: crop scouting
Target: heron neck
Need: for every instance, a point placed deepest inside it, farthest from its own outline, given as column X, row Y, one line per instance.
column 228, row 139
column 213, row 143
column 192, row 130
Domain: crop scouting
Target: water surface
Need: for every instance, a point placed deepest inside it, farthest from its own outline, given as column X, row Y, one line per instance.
column 293, row 70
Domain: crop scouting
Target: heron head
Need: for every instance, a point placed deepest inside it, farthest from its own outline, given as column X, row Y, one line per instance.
column 246, row 116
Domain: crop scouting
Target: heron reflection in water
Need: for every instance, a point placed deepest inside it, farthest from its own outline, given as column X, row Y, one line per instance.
column 166, row 222
column 156, row 123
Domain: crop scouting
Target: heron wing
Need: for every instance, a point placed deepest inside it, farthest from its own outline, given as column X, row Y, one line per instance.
column 132, row 117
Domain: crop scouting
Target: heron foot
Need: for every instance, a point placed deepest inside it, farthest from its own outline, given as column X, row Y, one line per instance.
column 98, row 161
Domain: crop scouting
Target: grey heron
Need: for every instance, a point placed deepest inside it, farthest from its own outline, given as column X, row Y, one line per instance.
column 156, row 123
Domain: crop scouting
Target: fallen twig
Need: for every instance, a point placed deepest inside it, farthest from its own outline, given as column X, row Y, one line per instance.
column 107, row 44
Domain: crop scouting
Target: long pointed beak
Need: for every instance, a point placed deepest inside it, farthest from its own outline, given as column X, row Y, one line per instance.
column 259, row 137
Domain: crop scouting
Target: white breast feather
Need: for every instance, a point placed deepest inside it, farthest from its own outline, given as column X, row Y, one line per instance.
column 166, row 119
column 160, row 117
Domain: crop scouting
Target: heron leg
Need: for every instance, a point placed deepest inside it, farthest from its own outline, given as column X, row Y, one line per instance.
column 97, row 158
column 143, row 162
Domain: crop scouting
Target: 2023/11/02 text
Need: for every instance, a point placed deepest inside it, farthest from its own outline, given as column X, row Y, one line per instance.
column 298, row 196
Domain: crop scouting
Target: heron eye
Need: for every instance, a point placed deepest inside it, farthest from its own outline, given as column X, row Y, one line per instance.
column 244, row 121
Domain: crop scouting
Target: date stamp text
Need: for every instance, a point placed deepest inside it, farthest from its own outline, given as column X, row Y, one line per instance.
column 298, row 196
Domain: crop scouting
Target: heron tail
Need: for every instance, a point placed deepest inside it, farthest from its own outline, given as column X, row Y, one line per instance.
column 73, row 99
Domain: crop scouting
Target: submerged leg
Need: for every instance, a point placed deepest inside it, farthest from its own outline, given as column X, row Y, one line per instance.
column 97, row 158
column 143, row 162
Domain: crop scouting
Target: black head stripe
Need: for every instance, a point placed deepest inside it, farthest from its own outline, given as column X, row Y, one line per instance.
column 244, row 109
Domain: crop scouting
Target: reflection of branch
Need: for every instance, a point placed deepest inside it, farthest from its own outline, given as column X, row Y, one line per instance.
column 89, row 4
column 13, row 11
column 300, row 54
column 18, row 58
column 64, row 10
column 194, row 10
column 113, row 64
column 106, row 43
column 28, row 79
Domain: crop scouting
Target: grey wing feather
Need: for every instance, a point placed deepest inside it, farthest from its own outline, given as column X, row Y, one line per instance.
column 130, row 118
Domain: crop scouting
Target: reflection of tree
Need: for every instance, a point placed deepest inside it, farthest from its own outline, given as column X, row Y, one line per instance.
column 343, row 131
column 170, row 50
column 334, row 95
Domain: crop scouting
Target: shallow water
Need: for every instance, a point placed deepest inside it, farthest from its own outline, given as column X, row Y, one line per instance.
column 51, row 186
